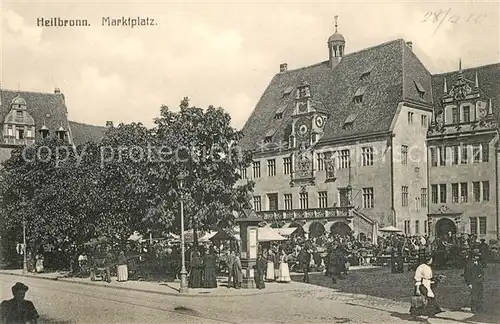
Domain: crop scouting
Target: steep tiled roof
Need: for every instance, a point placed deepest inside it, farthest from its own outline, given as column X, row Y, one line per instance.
column 83, row 133
column 48, row 108
column 382, row 91
column 487, row 75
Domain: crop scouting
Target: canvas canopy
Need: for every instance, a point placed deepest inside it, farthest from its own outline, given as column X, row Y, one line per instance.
column 390, row 229
column 266, row 234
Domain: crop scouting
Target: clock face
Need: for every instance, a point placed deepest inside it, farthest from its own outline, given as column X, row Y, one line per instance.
column 320, row 121
column 302, row 128
column 302, row 107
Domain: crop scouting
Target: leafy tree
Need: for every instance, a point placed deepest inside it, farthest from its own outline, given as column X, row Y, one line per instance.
column 205, row 148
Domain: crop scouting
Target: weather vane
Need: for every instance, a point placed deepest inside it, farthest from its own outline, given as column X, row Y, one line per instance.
column 337, row 16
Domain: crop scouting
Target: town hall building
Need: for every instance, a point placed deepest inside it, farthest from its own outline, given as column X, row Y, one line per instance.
column 351, row 144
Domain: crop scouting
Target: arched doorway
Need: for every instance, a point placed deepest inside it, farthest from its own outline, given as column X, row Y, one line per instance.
column 316, row 229
column 445, row 225
column 341, row 228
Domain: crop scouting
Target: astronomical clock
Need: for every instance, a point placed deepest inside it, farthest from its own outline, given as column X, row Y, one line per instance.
column 308, row 124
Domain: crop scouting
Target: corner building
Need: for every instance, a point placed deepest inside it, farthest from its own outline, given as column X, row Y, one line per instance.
column 342, row 145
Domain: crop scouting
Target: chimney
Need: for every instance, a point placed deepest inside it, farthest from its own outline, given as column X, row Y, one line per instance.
column 283, row 67
column 109, row 124
column 57, row 90
column 409, row 44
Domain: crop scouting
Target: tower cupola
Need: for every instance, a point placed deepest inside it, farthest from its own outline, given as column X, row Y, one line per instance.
column 336, row 46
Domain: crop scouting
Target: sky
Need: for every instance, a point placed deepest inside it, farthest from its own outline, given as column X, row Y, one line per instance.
column 216, row 53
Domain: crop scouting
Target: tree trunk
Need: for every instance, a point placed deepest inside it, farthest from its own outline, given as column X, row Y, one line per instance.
column 195, row 234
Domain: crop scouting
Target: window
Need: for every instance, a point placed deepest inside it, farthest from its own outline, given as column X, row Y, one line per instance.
column 454, row 115
column 434, row 193
column 434, row 161
column 257, row 203
column 466, row 114
column 358, row 99
column 410, row 117
column 454, row 193
column 345, row 159
column 29, row 133
column 482, row 225
column 20, row 133
column 243, row 173
column 407, row 227
column 417, row 227
column 278, row 116
column 464, row 193
column 271, row 167
column 478, row 225
column 423, row 197
column 476, row 191
column 404, row 196
column 322, row 199
column 273, row 201
column 304, row 200
column 423, row 121
column 367, row 197
column 256, row 169
column 330, row 168
column 485, row 148
column 473, row 225
column 455, row 155
column 426, row 227
column 442, row 193
column 420, row 89
column 442, row 155
column 486, row 191
column 10, row 131
column 287, row 165
column 288, row 201
column 404, row 154
column 465, row 156
column 367, row 156
column 320, row 158
column 476, row 153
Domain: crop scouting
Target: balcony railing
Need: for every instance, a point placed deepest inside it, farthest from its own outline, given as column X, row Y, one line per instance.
column 311, row 213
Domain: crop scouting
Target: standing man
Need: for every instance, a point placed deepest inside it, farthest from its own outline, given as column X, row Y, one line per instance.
column 484, row 251
column 305, row 262
column 230, row 268
column 474, row 277
column 18, row 310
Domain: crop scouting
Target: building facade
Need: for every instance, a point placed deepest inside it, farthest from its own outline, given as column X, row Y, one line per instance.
column 343, row 145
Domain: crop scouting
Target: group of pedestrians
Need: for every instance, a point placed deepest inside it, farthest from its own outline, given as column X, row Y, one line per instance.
column 203, row 272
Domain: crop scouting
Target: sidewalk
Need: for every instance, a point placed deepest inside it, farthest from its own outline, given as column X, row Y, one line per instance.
column 166, row 288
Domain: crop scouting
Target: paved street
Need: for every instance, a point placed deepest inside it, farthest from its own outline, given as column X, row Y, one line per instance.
column 357, row 300
column 63, row 302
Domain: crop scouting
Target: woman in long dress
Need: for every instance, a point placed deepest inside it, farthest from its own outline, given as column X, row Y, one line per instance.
column 424, row 282
column 270, row 266
column 122, row 268
column 195, row 274
column 209, row 276
column 39, row 263
column 284, row 271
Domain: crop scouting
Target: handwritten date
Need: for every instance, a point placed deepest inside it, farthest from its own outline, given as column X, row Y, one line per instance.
column 445, row 16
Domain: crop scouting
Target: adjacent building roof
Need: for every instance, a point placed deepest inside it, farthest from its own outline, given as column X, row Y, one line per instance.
column 488, row 77
column 83, row 133
column 45, row 108
column 393, row 69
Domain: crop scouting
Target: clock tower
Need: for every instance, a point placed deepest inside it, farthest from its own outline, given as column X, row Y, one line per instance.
column 308, row 123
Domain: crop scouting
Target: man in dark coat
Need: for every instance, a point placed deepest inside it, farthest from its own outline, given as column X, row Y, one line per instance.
column 305, row 261
column 484, row 250
column 474, row 277
column 18, row 310
column 230, row 267
column 259, row 271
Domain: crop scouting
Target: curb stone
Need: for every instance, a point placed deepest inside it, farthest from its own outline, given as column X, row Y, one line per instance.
column 164, row 293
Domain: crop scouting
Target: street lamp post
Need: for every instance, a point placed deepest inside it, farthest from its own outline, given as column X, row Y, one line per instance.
column 184, row 285
column 25, row 250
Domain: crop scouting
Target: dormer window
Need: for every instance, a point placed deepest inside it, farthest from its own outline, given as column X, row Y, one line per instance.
column 366, row 74
column 61, row 133
column 268, row 137
column 287, row 92
column 279, row 112
column 420, row 89
column 44, row 131
column 358, row 96
column 349, row 121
